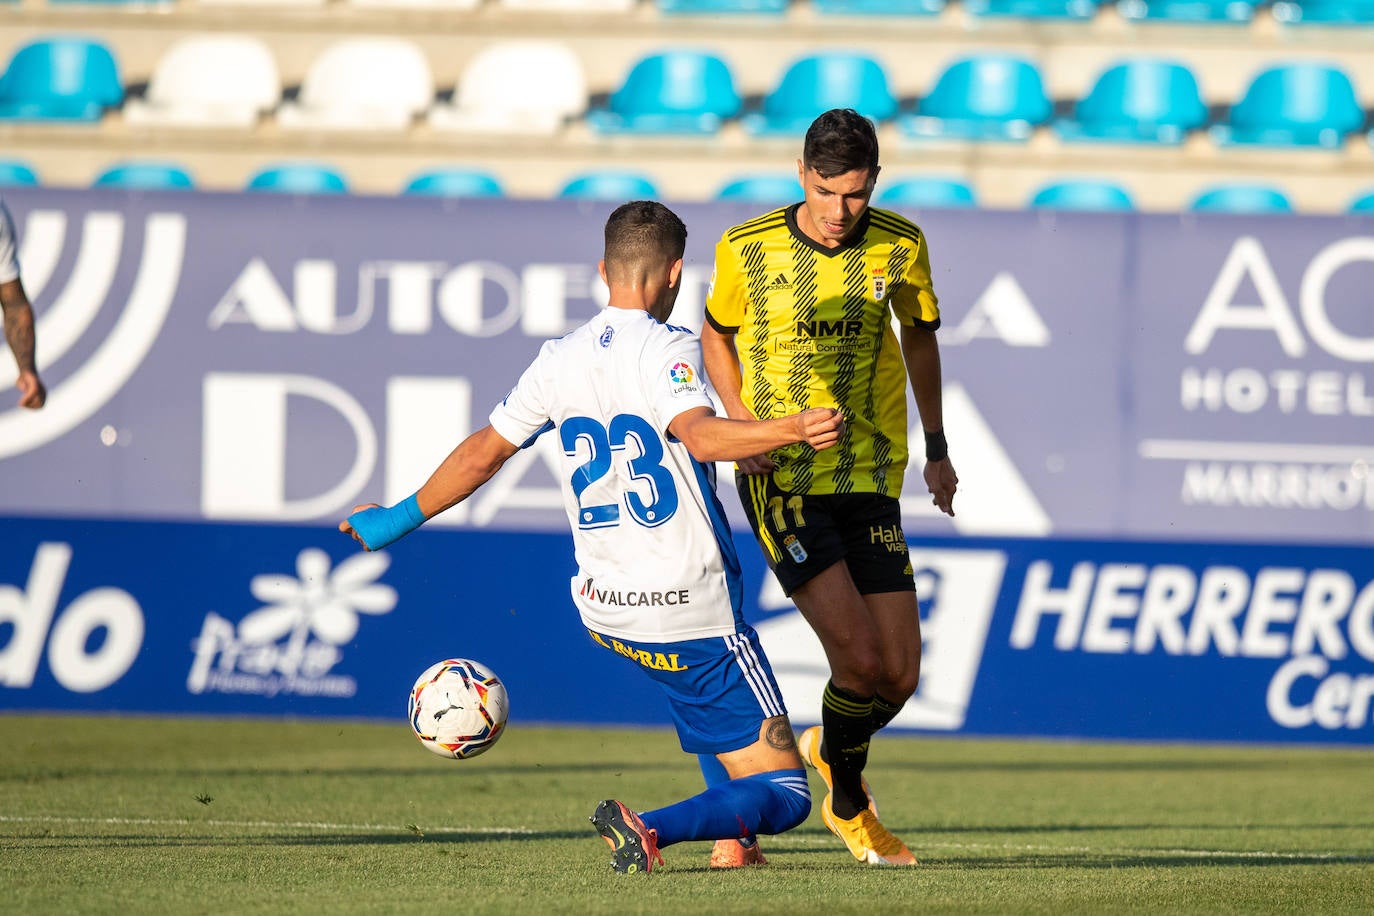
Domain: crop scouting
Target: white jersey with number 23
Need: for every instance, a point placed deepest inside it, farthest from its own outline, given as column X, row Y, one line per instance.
column 654, row 551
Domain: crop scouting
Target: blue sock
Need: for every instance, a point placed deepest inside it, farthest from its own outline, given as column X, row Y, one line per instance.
column 714, row 772
column 762, row 803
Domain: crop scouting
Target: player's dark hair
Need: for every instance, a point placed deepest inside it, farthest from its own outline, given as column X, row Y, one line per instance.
column 840, row 140
column 644, row 231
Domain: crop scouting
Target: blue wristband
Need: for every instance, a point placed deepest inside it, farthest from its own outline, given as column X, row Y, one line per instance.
column 380, row 527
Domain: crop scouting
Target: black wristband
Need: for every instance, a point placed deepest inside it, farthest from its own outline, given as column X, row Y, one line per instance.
column 937, row 449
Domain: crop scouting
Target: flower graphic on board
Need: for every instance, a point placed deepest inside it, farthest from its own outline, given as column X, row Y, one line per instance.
column 316, row 602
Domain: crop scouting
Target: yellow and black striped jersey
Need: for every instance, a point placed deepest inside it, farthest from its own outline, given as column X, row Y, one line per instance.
column 813, row 328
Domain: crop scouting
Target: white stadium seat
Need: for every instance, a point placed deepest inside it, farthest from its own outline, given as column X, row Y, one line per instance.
column 570, row 6
column 529, row 87
column 191, row 84
column 362, row 84
column 418, row 4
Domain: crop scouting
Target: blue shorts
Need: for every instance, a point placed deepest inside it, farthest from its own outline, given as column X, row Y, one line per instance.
column 720, row 689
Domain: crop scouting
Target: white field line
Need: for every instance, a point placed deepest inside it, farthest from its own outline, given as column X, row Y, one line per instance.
column 788, row 841
column 280, row 825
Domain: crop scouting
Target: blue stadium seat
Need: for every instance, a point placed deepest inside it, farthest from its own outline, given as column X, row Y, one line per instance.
column 1221, row 11
column 145, row 176
column 299, row 178
column 60, row 79
column 1325, row 12
column 1303, row 104
column 1082, row 195
column 1138, row 101
column 762, row 189
column 610, row 186
column 879, row 7
column 455, row 183
column 1363, row 204
column 818, row 83
column 927, row 192
column 674, row 92
column 986, row 97
column 1032, row 9
column 1241, row 198
column 714, row 7
column 13, row 172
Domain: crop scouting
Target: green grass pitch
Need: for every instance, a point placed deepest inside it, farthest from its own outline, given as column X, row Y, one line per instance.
column 145, row 815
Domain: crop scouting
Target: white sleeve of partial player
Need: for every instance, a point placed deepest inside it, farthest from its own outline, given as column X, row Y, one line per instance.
column 676, row 382
column 524, row 414
column 9, row 261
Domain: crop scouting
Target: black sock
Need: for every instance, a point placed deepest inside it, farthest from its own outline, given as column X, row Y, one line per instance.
column 845, row 730
column 883, row 713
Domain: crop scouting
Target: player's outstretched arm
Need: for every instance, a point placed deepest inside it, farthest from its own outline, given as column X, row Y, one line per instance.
column 712, row 438
column 475, row 461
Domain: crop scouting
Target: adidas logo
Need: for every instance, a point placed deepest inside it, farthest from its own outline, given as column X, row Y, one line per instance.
column 780, row 282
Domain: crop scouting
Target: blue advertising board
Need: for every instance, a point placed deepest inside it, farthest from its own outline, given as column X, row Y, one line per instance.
column 1161, row 425
column 1023, row 637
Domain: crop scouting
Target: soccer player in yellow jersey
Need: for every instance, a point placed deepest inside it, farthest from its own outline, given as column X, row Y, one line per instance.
column 799, row 314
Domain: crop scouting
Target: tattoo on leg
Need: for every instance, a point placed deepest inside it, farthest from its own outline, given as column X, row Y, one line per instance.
column 779, row 735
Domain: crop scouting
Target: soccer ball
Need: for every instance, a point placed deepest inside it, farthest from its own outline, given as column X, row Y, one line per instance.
column 458, row 708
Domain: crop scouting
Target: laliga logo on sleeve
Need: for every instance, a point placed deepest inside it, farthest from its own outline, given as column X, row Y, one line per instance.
column 70, row 312
column 684, row 379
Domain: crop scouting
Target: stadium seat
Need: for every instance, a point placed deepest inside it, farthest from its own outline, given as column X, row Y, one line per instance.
column 1082, row 195
column 674, row 92
column 570, row 6
column 1302, row 104
column 528, row 87
column 609, row 186
column 299, row 178
column 762, row 189
column 189, row 88
column 145, row 176
column 817, row 83
column 879, row 7
column 13, row 172
column 1138, row 101
column 1220, row 11
column 284, row 3
column 1325, row 12
column 1363, row 204
column 715, row 7
column 455, row 183
column 986, row 97
column 1241, row 198
column 927, row 192
column 60, row 79
column 436, row 5
column 1032, row 9
column 363, row 84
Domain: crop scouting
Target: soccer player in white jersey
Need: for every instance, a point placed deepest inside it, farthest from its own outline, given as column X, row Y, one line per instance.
column 658, row 581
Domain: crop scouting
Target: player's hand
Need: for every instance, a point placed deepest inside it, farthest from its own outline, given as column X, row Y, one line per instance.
column 32, row 394
column 821, row 427
column 756, row 464
column 942, row 483
column 347, row 529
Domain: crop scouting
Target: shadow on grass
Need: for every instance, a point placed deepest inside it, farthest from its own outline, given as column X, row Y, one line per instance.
column 1164, row 858
column 400, row 837
column 436, row 771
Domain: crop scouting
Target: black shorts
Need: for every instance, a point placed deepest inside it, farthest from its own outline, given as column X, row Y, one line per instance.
column 803, row 535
